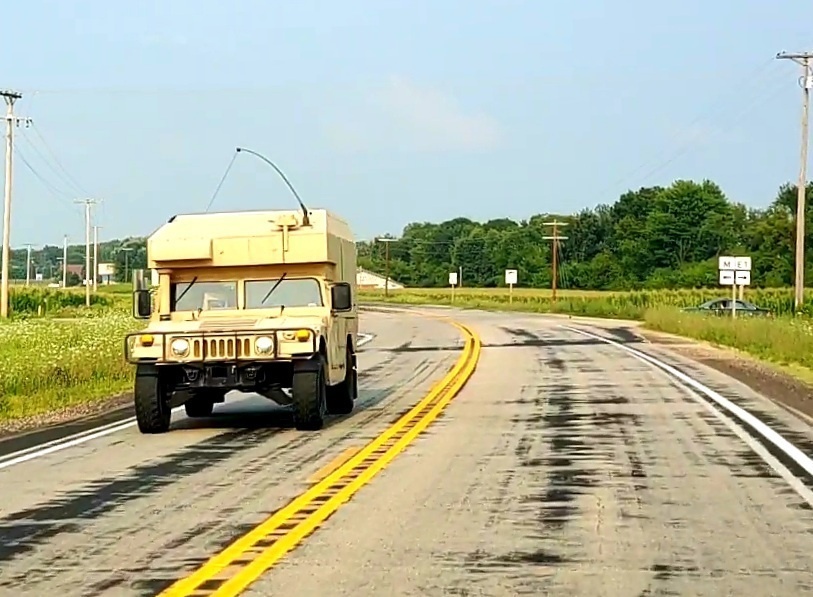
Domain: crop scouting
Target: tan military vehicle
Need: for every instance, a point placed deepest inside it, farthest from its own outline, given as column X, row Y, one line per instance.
column 260, row 301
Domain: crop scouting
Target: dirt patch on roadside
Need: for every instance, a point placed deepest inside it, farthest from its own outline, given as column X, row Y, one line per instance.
column 71, row 414
column 781, row 387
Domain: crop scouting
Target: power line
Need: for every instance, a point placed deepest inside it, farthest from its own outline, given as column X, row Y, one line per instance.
column 805, row 82
column 59, row 194
column 63, row 178
column 67, row 174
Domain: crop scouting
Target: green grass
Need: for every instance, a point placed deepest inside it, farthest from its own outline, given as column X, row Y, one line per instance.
column 621, row 305
column 39, row 301
column 784, row 341
column 47, row 364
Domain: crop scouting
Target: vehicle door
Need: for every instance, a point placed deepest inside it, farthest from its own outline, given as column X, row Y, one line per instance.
column 337, row 338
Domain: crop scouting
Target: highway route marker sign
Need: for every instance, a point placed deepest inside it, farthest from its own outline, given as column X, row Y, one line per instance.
column 735, row 272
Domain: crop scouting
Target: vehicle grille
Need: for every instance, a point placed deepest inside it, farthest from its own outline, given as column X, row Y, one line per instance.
column 220, row 348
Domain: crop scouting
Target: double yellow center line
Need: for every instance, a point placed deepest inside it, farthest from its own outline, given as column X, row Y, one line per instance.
column 234, row 569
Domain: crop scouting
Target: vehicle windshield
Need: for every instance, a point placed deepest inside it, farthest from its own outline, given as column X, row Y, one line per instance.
column 291, row 292
column 206, row 296
column 746, row 305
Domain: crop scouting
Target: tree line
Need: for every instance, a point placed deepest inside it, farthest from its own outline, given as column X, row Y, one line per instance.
column 126, row 254
column 654, row 237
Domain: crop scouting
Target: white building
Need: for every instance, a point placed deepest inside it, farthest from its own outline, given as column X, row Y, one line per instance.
column 368, row 279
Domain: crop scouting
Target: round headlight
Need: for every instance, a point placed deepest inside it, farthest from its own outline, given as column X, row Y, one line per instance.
column 264, row 344
column 179, row 347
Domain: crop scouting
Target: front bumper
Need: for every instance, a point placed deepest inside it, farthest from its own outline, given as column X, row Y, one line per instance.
column 220, row 347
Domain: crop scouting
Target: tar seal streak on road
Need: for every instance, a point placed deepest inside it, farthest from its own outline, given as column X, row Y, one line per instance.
column 244, row 561
column 791, row 463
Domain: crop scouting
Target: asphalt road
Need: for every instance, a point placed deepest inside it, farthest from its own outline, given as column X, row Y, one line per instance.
column 566, row 466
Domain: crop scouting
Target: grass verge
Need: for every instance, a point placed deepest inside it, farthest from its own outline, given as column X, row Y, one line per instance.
column 49, row 364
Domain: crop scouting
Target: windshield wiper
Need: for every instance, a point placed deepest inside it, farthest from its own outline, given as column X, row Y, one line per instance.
column 185, row 290
column 273, row 288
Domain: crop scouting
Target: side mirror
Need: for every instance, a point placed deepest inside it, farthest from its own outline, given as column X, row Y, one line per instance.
column 142, row 304
column 142, row 299
column 341, row 298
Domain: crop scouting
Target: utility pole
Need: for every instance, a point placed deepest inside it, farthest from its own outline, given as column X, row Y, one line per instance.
column 387, row 242
column 805, row 60
column 555, row 238
column 28, row 265
column 96, row 258
column 12, row 121
column 126, row 251
column 88, row 203
column 65, row 261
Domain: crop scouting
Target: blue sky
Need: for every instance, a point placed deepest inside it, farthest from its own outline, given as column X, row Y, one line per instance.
column 391, row 111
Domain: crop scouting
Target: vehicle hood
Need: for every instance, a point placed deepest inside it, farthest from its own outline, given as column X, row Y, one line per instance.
column 225, row 324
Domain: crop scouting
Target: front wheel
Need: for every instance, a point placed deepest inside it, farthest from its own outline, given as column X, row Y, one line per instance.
column 309, row 393
column 151, row 398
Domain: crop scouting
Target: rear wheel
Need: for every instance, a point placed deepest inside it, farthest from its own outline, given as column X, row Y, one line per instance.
column 340, row 398
column 309, row 393
column 151, row 398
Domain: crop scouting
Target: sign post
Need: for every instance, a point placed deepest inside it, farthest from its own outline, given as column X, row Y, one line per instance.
column 734, row 272
column 510, row 279
column 453, row 282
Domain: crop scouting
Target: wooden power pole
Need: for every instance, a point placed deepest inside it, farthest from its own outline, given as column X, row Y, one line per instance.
column 386, row 242
column 555, row 238
column 805, row 60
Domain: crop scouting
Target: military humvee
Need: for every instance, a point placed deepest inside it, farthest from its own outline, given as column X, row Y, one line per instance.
column 258, row 301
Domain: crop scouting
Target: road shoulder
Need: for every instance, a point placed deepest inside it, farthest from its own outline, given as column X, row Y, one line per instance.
column 789, row 387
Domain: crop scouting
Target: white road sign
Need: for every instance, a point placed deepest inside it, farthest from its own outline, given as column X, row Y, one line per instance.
column 743, row 278
column 510, row 276
column 452, row 278
column 734, row 263
column 726, row 277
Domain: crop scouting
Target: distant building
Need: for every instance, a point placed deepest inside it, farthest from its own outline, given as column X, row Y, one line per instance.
column 369, row 280
column 106, row 272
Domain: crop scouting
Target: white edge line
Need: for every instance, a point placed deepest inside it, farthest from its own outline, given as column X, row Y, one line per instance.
column 775, row 438
column 85, row 436
column 779, row 468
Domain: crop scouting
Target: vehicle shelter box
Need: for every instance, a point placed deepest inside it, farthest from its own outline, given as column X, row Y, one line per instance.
column 251, row 238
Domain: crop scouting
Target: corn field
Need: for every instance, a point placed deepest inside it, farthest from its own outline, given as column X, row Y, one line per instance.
column 625, row 305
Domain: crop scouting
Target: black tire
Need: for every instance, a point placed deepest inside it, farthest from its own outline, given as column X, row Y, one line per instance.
column 153, row 413
column 341, row 397
column 199, row 407
column 309, row 395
